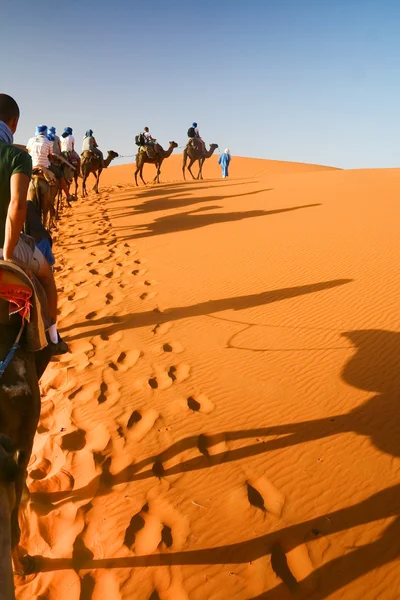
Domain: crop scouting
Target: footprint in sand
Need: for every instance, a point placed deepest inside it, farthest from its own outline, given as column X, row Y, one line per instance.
column 164, row 379
column 173, row 347
column 126, row 360
column 74, row 441
column 139, row 271
column 162, row 328
column 199, row 403
column 147, row 295
column 212, row 446
column 109, row 298
column 262, row 494
column 293, row 565
column 140, row 423
column 136, row 524
column 91, row 315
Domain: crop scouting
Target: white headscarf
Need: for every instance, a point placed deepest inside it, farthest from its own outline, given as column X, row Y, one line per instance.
column 227, row 151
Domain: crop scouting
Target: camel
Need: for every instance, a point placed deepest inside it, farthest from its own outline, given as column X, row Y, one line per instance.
column 92, row 163
column 195, row 153
column 19, row 417
column 43, row 194
column 159, row 156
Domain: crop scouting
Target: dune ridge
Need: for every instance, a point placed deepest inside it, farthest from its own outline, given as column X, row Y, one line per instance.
column 226, row 423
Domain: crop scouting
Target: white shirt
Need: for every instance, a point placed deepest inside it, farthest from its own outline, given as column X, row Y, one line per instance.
column 67, row 143
column 39, row 147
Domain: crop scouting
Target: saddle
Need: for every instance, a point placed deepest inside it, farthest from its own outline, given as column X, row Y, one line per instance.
column 23, row 293
column 88, row 155
column 196, row 144
column 151, row 150
column 46, row 174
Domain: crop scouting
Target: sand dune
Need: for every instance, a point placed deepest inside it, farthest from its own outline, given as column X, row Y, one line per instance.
column 226, row 425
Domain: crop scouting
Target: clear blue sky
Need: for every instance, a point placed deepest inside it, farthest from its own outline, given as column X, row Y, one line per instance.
column 305, row 80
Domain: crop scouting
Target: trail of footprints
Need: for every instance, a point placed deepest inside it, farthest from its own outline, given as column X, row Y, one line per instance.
column 146, row 533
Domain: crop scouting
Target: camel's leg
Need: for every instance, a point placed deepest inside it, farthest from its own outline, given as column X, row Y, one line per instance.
column 157, row 177
column 76, row 185
column 190, row 165
column 96, row 185
column 20, row 487
column 51, row 217
column 201, row 163
column 84, row 191
column 141, row 174
column 184, row 164
column 58, row 206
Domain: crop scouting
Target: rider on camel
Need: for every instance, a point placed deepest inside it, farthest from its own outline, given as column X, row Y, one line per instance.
column 200, row 142
column 52, row 137
column 89, row 144
column 41, row 150
column 15, row 174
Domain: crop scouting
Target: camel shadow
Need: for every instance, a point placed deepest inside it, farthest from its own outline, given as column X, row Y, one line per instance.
column 151, row 318
column 375, row 368
column 175, row 189
column 193, row 220
column 177, row 201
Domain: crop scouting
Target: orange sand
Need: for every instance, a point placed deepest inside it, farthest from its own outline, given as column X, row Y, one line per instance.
column 227, row 424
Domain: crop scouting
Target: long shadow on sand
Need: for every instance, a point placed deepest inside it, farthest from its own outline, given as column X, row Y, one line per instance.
column 177, row 201
column 174, row 188
column 151, row 318
column 190, row 220
column 375, row 368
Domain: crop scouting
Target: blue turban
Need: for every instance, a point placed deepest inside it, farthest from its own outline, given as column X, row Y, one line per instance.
column 89, row 133
column 194, row 124
column 52, row 130
column 68, row 130
column 41, row 130
column 50, row 136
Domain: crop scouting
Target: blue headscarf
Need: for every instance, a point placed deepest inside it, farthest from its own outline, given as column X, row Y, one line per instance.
column 68, row 130
column 89, row 133
column 50, row 137
column 41, row 130
column 194, row 125
column 52, row 130
column 6, row 135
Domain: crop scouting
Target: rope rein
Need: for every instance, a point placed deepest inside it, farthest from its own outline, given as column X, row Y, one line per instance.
column 4, row 363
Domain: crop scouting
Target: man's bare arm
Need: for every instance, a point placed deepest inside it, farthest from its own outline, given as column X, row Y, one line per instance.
column 16, row 213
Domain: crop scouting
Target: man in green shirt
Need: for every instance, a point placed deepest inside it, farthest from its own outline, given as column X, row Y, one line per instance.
column 15, row 174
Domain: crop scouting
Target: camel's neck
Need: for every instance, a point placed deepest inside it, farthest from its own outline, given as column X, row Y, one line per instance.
column 210, row 152
column 108, row 160
column 167, row 153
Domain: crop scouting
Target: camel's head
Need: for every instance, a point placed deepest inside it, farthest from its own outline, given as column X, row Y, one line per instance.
column 173, row 144
column 214, row 147
column 112, row 154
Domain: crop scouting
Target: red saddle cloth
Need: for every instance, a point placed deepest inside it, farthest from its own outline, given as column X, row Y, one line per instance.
column 17, row 294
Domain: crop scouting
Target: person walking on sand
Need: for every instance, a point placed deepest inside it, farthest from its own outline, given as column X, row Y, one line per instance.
column 224, row 161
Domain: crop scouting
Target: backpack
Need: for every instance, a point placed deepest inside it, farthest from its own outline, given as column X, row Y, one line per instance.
column 139, row 139
column 191, row 133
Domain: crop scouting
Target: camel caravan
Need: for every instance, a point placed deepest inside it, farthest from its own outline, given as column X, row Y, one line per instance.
column 56, row 164
column 152, row 152
column 32, row 191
